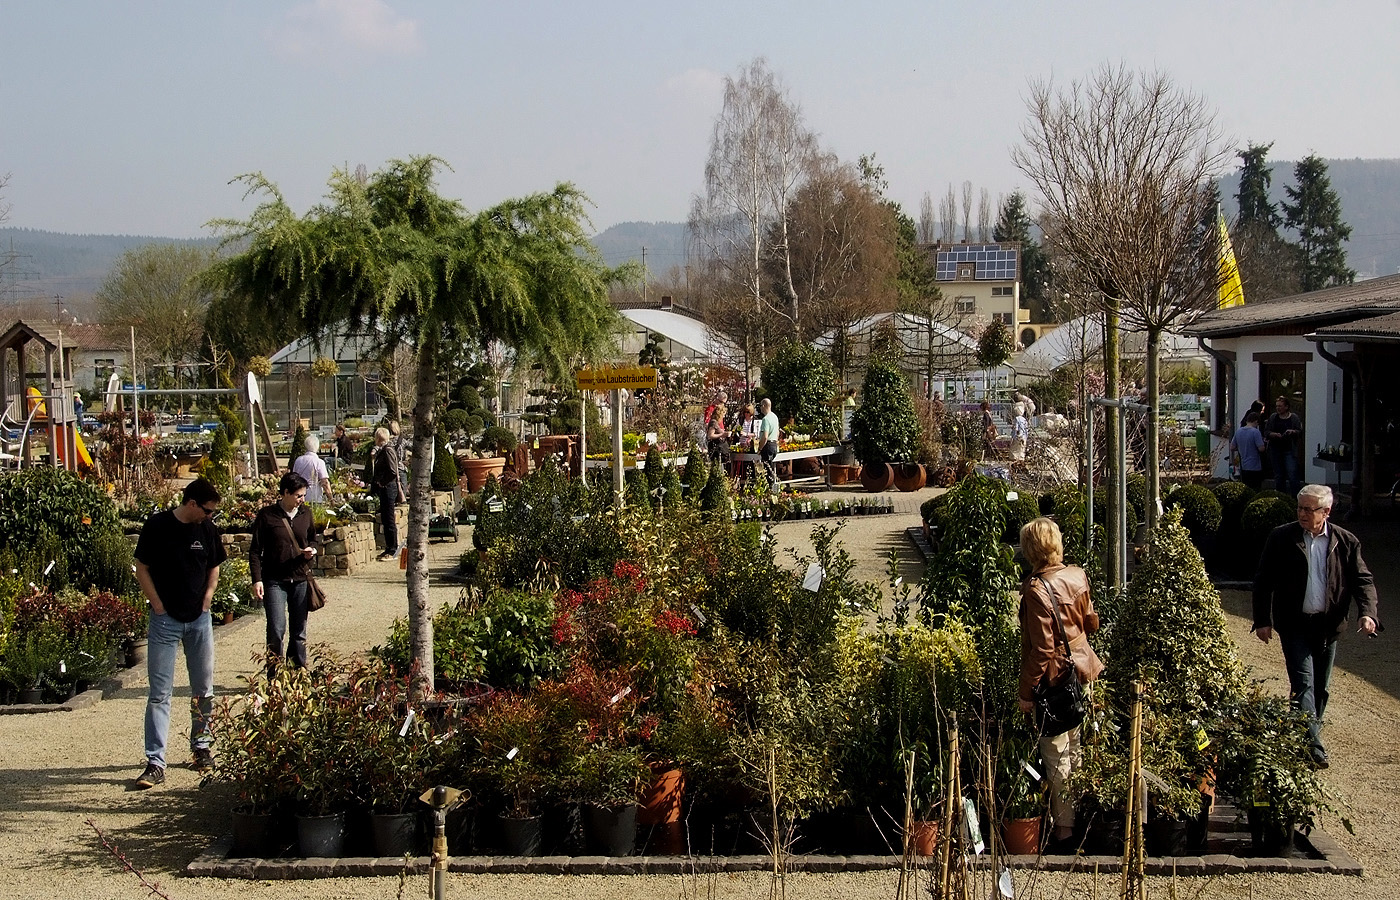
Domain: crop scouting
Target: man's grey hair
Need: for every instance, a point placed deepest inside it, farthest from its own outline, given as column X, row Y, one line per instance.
column 312, row 443
column 765, row 403
column 1319, row 494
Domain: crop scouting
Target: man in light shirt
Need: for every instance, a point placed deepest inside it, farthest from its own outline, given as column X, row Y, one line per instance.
column 1309, row 575
column 768, row 441
column 311, row 467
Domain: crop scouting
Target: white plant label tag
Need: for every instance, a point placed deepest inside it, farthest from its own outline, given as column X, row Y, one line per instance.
column 972, row 831
column 1012, row 496
column 699, row 616
column 887, row 660
column 1004, row 886
column 513, row 751
column 812, row 581
column 898, row 581
column 62, row 667
column 619, row 695
column 1030, row 769
column 1156, row 782
column 49, row 567
column 408, row 721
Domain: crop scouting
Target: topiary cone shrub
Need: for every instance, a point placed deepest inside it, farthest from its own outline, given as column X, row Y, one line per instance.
column 883, row 429
column 444, row 465
column 697, row 473
column 1172, row 635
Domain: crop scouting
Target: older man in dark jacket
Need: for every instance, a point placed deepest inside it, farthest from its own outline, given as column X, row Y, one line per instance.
column 1310, row 574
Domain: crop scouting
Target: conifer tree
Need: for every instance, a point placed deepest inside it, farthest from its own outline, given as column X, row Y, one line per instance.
column 1315, row 213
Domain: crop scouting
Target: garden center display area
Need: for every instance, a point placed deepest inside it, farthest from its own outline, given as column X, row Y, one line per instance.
column 654, row 677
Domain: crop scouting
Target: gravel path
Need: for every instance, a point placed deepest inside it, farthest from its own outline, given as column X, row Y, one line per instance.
column 57, row 770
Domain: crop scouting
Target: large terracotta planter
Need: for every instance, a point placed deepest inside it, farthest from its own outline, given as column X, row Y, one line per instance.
column 837, row 473
column 478, row 470
column 1022, row 836
column 660, row 803
column 909, row 476
column 877, row 476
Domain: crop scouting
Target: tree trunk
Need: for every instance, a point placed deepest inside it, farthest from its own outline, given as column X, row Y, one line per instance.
column 1116, row 575
column 420, row 486
column 1154, row 455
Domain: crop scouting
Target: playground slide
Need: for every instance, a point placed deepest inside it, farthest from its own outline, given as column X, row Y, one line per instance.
column 40, row 413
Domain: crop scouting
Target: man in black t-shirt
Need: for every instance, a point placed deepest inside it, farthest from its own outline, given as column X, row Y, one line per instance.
column 177, row 565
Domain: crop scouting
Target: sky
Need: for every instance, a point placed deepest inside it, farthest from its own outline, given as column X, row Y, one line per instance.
column 134, row 117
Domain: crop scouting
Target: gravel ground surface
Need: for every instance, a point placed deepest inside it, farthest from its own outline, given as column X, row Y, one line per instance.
column 59, row 769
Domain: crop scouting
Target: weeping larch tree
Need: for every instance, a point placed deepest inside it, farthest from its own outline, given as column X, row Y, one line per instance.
column 388, row 251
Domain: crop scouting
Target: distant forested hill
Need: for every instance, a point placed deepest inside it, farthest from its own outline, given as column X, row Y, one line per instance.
column 664, row 243
column 74, row 265
column 1370, row 193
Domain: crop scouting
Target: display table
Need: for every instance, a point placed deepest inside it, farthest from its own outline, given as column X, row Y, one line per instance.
column 788, row 456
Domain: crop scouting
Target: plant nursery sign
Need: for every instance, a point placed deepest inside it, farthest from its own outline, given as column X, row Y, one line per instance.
column 610, row 378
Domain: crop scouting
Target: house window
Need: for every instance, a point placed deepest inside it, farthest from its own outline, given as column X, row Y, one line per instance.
column 1003, row 318
column 966, row 304
column 967, row 271
column 1002, row 292
column 102, row 370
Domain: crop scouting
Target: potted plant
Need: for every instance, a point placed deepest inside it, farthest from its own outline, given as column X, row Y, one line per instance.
column 883, row 429
column 609, row 782
column 513, row 760
column 395, row 753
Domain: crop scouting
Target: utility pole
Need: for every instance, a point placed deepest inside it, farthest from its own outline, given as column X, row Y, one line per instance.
column 644, row 273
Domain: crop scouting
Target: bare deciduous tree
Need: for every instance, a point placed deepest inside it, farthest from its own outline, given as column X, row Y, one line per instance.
column 1123, row 162
column 759, row 152
column 967, row 210
column 984, row 216
column 928, row 225
column 948, row 216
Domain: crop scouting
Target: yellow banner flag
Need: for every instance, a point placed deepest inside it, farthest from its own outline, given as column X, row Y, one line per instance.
column 1230, row 286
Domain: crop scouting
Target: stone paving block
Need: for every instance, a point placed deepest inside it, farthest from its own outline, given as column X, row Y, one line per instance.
column 866, row 863
column 310, row 868
column 591, row 865
column 1224, row 864
column 669, row 865
column 552, row 865
column 512, row 865
column 823, row 863
column 472, row 865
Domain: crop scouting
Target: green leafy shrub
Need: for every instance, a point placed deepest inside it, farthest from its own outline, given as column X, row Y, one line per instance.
column 715, row 496
column 234, row 591
column 1262, row 515
column 1234, row 496
column 51, row 510
column 883, row 428
column 801, row 383
column 1024, row 508
column 697, row 473
column 444, row 464
column 497, row 440
column 972, row 576
column 231, row 420
column 1200, row 511
column 655, row 468
column 455, row 420
column 1136, row 490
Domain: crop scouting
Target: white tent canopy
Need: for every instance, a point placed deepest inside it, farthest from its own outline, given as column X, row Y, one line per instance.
column 1082, row 338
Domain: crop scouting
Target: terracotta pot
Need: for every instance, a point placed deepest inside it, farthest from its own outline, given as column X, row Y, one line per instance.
column 909, row 476
column 478, row 470
column 660, row 803
column 1022, row 836
column 924, row 837
column 877, row 476
column 837, row 474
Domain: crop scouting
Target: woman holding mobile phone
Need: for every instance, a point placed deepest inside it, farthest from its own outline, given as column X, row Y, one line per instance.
column 279, row 559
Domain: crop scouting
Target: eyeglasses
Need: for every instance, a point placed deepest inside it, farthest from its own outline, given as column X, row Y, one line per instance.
column 1313, row 509
column 211, row 513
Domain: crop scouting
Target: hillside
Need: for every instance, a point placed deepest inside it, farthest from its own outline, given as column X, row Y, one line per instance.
column 41, row 263
column 1370, row 193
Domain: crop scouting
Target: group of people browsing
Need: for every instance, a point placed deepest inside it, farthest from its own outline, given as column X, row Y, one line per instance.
column 1278, row 438
column 746, row 431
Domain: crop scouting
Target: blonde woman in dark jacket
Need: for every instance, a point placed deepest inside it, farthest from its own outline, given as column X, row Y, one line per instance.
column 1043, row 655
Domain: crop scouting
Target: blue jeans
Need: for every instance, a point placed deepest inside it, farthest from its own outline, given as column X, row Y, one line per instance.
column 283, row 600
column 1284, row 461
column 164, row 636
column 388, row 516
column 1308, row 658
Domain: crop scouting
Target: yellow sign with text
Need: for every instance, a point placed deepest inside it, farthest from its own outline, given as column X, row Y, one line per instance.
column 630, row 378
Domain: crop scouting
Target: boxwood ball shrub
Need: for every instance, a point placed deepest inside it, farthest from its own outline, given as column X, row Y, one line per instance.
column 1137, row 499
column 1262, row 515
column 455, row 420
column 1200, row 511
column 1234, row 496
